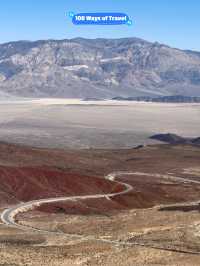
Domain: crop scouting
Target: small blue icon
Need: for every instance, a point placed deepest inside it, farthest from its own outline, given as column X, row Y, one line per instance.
column 129, row 22
column 71, row 14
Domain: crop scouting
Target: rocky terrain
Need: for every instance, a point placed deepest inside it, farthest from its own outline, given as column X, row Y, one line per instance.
column 157, row 223
column 99, row 68
column 29, row 183
column 162, row 99
column 175, row 139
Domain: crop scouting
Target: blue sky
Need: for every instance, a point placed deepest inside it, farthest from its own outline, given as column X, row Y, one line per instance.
column 173, row 22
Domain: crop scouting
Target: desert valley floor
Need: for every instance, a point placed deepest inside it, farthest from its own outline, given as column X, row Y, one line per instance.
column 72, row 123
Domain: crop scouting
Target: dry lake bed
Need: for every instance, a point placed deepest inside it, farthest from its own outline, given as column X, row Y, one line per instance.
column 72, row 123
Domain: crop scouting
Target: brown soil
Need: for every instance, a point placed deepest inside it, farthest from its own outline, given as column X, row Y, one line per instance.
column 147, row 192
column 28, row 173
column 29, row 183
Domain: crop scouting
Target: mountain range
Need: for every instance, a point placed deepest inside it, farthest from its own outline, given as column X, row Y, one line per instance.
column 101, row 68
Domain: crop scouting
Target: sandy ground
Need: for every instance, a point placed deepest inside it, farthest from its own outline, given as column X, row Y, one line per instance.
column 73, row 123
column 161, row 229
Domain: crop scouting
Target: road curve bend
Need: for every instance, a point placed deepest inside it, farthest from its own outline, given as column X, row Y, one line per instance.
column 8, row 216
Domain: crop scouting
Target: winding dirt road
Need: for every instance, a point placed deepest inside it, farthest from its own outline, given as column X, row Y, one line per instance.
column 8, row 216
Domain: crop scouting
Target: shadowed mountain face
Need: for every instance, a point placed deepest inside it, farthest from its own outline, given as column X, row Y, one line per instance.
column 101, row 68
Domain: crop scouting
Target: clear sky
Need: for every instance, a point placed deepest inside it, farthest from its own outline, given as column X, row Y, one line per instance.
column 173, row 22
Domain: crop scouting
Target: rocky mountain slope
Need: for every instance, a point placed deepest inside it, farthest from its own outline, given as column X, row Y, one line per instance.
column 175, row 139
column 101, row 68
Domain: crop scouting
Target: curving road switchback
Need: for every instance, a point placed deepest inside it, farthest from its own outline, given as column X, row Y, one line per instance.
column 8, row 216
